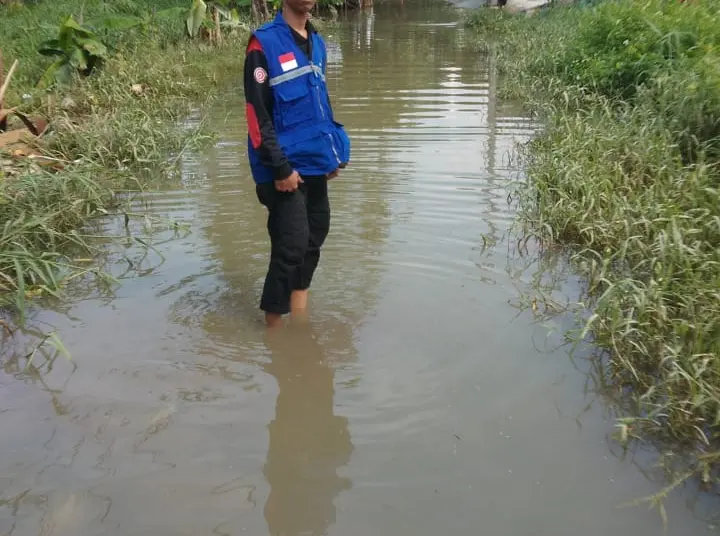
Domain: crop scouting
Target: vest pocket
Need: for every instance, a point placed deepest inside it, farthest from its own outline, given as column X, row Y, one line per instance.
column 341, row 143
column 309, row 152
column 295, row 104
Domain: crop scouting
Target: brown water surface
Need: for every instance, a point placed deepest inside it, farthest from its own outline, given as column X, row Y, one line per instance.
column 420, row 401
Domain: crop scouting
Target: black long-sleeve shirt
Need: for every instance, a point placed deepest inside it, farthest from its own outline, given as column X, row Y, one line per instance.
column 259, row 104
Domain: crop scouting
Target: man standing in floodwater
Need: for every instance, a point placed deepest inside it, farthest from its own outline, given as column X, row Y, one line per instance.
column 295, row 147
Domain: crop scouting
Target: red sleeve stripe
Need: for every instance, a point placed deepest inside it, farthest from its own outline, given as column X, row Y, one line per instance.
column 253, row 125
column 253, row 45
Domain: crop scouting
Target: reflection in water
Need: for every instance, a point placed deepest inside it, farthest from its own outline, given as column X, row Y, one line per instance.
column 308, row 442
column 163, row 426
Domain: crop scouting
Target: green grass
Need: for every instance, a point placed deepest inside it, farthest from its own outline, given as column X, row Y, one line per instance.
column 626, row 173
column 110, row 138
column 25, row 27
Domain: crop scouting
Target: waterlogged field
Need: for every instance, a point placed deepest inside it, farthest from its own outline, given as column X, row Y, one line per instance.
column 626, row 174
column 113, row 131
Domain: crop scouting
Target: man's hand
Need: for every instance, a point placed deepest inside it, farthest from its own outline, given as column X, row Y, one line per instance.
column 290, row 184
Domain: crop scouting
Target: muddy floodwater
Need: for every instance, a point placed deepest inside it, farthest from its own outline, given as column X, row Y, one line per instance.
column 424, row 398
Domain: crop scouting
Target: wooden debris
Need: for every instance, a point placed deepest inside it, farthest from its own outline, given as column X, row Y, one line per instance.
column 12, row 137
column 17, row 144
column 6, row 82
column 4, row 113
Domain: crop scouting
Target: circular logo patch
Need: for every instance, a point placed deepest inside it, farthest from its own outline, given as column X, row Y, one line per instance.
column 260, row 75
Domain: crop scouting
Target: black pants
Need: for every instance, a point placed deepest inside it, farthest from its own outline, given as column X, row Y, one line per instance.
column 298, row 224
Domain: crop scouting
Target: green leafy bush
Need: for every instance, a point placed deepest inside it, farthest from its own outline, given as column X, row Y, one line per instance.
column 626, row 173
column 78, row 48
column 619, row 45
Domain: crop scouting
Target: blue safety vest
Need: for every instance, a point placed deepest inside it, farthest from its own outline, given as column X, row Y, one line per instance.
column 313, row 142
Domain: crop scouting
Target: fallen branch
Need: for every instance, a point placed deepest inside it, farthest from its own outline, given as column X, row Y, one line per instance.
column 6, row 83
column 36, row 130
column 4, row 112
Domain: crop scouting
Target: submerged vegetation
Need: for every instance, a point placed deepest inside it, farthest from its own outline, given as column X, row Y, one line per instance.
column 90, row 109
column 626, row 174
column 108, row 81
column 92, row 94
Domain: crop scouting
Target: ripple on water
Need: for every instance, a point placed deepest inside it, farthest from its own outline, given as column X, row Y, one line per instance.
column 394, row 415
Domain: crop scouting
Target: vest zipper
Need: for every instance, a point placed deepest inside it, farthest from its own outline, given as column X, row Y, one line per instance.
column 322, row 110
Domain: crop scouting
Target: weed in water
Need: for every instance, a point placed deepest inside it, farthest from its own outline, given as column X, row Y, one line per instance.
column 116, row 130
column 625, row 174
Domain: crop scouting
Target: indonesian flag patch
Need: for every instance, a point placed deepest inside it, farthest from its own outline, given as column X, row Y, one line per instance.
column 288, row 62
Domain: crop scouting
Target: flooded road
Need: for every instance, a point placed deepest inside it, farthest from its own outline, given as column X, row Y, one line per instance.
column 422, row 399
